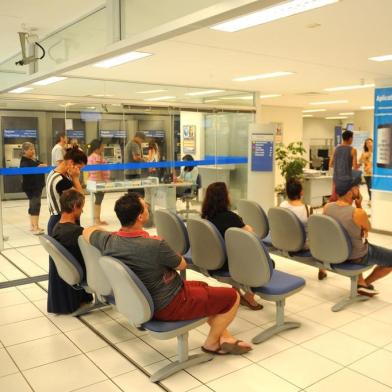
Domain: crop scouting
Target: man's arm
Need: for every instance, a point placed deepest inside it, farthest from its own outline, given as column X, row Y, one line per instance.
column 361, row 219
column 88, row 231
column 331, row 161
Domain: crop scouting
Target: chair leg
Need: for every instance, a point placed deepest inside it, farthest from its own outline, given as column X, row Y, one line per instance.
column 280, row 325
column 353, row 297
column 97, row 304
column 184, row 360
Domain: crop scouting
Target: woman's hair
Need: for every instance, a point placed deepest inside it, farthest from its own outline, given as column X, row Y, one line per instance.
column 75, row 155
column 293, row 188
column 188, row 158
column 27, row 146
column 94, row 145
column 365, row 147
column 215, row 201
column 153, row 145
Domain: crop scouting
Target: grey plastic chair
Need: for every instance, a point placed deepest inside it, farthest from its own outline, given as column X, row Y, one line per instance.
column 135, row 303
column 330, row 244
column 253, row 215
column 251, row 266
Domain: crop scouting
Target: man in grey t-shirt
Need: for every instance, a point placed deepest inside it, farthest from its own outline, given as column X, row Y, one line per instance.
column 133, row 154
column 156, row 265
column 58, row 150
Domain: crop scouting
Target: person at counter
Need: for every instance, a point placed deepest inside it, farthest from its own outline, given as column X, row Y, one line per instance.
column 32, row 185
column 367, row 161
column 188, row 174
column 58, row 150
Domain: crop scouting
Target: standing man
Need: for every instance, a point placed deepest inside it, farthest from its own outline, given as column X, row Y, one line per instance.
column 134, row 154
column 343, row 161
column 58, row 150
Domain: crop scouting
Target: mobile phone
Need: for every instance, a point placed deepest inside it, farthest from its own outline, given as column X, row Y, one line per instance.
column 384, row 146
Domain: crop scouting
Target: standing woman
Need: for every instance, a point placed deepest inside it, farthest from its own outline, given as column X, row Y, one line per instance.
column 32, row 185
column 95, row 157
column 62, row 298
column 153, row 155
column 367, row 161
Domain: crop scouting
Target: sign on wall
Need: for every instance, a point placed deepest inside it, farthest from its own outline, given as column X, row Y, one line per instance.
column 262, row 147
column 189, row 139
column 20, row 133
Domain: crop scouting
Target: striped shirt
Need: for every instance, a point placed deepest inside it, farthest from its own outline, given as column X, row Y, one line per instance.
column 56, row 184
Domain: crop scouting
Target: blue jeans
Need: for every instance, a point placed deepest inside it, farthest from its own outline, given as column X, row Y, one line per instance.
column 377, row 255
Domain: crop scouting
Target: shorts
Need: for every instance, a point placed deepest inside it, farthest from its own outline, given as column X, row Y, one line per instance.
column 197, row 300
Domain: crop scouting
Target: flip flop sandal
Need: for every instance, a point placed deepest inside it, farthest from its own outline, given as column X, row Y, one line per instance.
column 218, row 351
column 235, row 348
column 244, row 302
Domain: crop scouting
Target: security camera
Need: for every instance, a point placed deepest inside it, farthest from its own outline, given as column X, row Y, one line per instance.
column 24, row 39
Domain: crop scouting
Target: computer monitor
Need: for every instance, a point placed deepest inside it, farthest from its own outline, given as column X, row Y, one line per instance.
column 108, row 152
column 350, row 127
column 323, row 152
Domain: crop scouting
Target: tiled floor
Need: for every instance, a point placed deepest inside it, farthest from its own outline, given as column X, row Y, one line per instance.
column 348, row 350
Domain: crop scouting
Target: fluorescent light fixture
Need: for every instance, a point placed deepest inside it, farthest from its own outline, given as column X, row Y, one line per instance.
column 328, row 102
column 269, row 96
column 52, row 79
column 336, row 118
column 20, row 90
column 150, row 91
column 102, row 95
column 270, row 14
column 123, row 58
column 367, row 107
column 262, row 76
column 346, row 114
column 307, row 115
column 160, row 98
column 211, row 100
column 387, row 57
column 352, row 87
column 313, row 110
column 206, row 92
column 244, row 97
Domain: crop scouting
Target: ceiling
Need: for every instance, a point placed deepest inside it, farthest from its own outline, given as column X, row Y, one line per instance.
column 324, row 48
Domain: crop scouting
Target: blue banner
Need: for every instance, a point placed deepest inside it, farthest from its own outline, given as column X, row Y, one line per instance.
column 262, row 152
column 20, row 133
column 73, row 134
column 117, row 134
column 382, row 151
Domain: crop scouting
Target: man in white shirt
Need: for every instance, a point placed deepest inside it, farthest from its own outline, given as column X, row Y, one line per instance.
column 58, row 150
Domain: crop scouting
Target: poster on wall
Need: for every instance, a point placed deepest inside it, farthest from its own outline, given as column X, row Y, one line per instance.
column 262, row 147
column 359, row 140
column 382, row 150
column 279, row 133
column 189, row 139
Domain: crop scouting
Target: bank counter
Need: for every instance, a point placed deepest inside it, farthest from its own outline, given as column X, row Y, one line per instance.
column 317, row 185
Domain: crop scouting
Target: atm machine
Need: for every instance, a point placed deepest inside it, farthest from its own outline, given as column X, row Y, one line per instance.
column 114, row 143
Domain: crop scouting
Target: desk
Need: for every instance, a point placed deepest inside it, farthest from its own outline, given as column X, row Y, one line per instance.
column 315, row 188
column 156, row 193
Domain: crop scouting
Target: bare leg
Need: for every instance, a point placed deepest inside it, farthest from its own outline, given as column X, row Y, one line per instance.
column 378, row 273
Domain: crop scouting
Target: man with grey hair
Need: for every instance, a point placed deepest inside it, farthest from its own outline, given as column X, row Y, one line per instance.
column 58, row 150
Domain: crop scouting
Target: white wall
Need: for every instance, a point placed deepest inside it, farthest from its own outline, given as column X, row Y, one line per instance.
column 364, row 121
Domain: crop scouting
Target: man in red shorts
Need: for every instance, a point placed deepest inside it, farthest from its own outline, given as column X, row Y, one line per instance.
column 156, row 265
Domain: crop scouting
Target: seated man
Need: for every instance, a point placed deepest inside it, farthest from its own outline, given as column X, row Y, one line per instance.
column 357, row 225
column 66, row 232
column 155, row 263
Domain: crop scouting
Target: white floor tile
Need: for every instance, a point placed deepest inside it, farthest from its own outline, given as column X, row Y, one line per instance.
column 14, row 383
column 24, row 331
column 7, row 365
column 347, row 380
column 42, row 351
column 86, row 340
column 377, row 366
column 104, row 386
column 97, row 317
column 339, row 347
column 110, row 361
column 114, row 331
column 34, row 293
column 65, row 375
column 384, row 315
column 11, row 298
column 369, row 330
column 299, row 366
column 136, row 381
column 300, row 302
column 13, row 314
column 252, row 378
column 259, row 317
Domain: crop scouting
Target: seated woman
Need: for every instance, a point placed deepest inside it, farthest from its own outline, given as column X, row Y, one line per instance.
column 295, row 204
column 188, row 174
column 216, row 209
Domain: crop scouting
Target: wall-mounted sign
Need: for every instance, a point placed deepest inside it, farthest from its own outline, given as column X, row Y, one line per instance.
column 262, row 147
column 20, row 133
column 189, row 139
column 154, row 134
column 72, row 134
column 338, row 135
column 117, row 134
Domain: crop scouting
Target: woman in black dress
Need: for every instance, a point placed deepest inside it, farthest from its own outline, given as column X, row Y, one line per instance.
column 62, row 298
column 32, row 185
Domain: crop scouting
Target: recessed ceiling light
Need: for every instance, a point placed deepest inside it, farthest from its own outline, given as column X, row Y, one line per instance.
column 307, row 115
column 328, row 102
column 346, row 114
column 52, row 79
column 313, row 110
column 160, row 98
column 367, row 107
column 269, row 96
column 270, row 14
column 245, row 97
column 262, row 76
column 150, row 91
column 336, row 118
column 206, row 92
column 387, row 57
column 20, row 90
column 123, row 58
column 352, row 87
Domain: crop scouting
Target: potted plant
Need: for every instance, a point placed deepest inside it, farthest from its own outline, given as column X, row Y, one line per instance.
column 291, row 163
